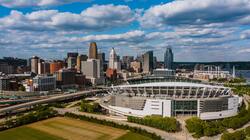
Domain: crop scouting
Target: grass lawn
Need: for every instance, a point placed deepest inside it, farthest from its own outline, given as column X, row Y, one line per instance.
column 133, row 136
column 61, row 128
column 26, row 133
column 68, row 128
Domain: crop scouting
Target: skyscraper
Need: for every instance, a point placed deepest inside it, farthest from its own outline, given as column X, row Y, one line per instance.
column 93, row 50
column 112, row 58
column 155, row 62
column 101, row 56
column 56, row 66
column 92, row 70
column 148, row 62
column 80, row 58
column 65, row 77
column 34, row 64
column 72, row 54
column 43, row 67
column 126, row 60
column 114, row 62
column 71, row 61
column 168, row 58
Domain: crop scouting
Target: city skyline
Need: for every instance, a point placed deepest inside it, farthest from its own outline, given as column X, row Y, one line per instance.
column 195, row 30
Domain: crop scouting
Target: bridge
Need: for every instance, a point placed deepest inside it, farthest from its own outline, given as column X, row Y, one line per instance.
column 17, row 101
column 51, row 100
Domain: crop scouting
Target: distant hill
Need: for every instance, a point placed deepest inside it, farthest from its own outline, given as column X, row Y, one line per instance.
column 239, row 65
column 14, row 61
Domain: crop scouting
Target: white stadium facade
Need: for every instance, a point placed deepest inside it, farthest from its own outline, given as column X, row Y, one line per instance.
column 172, row 98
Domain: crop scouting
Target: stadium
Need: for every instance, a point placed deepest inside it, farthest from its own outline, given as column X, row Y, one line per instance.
column 172, row 98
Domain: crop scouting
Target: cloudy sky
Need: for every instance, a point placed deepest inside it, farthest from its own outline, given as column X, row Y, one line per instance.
column 197, row 30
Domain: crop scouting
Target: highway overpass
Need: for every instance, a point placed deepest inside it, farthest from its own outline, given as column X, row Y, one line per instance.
column 51, row 100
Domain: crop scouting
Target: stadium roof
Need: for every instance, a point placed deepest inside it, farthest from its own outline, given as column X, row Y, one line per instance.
column 171, row 84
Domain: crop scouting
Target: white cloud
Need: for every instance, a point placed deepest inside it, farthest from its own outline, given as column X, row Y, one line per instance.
column 195, row 29
column 38, row 3
column 95, row 18
column 195, row 12
column 134, row 42
column 128, row 36
column 245, row 34
column 244, row 51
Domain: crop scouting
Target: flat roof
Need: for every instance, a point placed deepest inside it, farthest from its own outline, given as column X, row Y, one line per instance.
column 171, row 84
column 163, row 70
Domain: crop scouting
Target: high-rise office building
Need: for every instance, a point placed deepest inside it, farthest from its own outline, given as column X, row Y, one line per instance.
column 56, row 66
column 168, row 58
column 118, row 57
column 6, row 68
column 139, row 58
column 34, row 64
column 112, row 58
column 101, row 56
column 72, row 54
column 155, row 62
column 126, row 60
column 92, row 70
column 79, row 60
column 148, row 62
column 65, row 77
column 93, row 50
column 136, row 66
column 71, row 61
column 43, row 67
column 114, row 62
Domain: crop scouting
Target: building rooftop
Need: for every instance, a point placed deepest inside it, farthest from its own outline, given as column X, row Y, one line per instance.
column 161, row 69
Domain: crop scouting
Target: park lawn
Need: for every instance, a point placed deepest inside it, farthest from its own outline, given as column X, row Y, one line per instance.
column 133, row 136
column 68, row 128
column 63, row 128
column 26, row 133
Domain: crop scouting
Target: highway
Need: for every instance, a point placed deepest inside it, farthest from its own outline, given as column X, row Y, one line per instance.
column 49, row 100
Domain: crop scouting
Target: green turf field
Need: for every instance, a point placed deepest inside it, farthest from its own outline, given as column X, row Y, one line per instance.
column 61, row 128
column 26, row 133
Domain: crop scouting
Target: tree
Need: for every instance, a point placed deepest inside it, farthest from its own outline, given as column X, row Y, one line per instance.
column 21, row 88
column 238, row 135
column 88, row 107
column 247, row 131
column 195, row 125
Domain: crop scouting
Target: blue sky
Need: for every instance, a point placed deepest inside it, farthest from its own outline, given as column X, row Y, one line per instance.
column 197, row 30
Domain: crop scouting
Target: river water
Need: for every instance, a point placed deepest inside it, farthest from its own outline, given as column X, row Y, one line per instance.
column 244, row 73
